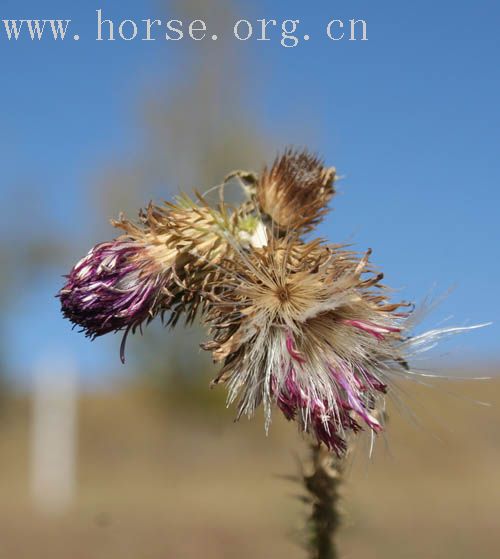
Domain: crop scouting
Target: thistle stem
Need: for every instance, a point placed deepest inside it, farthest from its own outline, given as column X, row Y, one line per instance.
column 322, row 486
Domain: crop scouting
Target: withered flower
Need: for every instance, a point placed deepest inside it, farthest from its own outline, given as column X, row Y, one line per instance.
column 117, row 286
column 158, row 264
column 308, row 327
column 294, row 192
column 303, row 326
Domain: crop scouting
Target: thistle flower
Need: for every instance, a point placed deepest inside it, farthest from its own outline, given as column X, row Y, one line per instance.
column 118, row 285
column 299, row 325
column 295, row 190
column 304, row 326
column 159, row 264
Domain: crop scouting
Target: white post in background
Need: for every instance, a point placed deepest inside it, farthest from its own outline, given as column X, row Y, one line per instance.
column 53, row 434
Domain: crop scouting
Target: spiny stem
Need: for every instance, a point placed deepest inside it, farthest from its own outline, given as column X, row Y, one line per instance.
column 322, row 486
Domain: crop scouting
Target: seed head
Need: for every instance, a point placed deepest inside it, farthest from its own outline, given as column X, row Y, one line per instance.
column 300, row 325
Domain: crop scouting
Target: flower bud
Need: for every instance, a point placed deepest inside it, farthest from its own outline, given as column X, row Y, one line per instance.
column 295, row 191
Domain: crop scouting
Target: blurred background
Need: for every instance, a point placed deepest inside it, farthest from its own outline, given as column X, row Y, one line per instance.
column 142, row 460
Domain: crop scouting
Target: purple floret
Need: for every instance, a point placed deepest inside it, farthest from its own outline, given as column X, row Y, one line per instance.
column 111, row 289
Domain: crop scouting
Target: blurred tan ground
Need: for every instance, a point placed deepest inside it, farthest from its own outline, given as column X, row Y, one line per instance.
column 155, row 481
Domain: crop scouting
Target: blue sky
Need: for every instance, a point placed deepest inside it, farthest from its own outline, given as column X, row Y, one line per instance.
column 410, row 118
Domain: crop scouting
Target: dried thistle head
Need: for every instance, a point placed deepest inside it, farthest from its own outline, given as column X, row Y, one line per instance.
column 307, row 327
column 303, row 326
column 295, row 191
